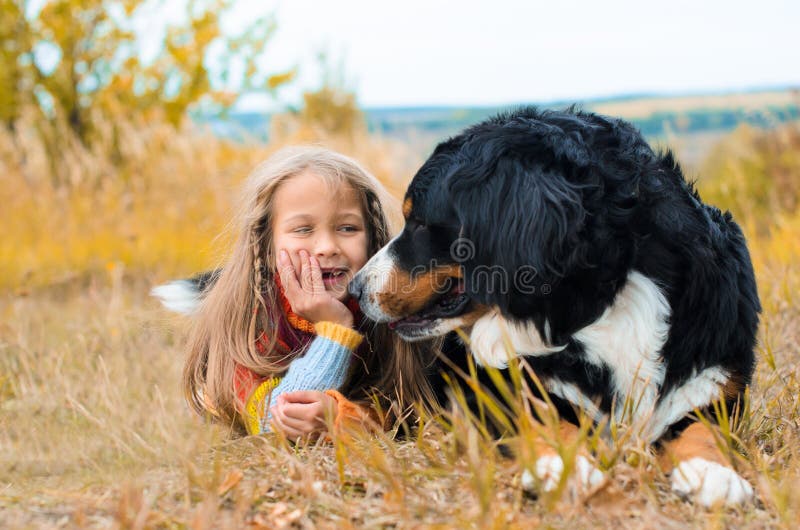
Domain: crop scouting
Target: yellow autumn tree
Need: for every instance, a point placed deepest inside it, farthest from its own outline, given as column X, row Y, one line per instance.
column 14, row 83
column 80, row 65
column 329, row 112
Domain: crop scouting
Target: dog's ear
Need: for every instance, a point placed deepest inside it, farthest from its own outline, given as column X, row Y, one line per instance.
column 523, row 219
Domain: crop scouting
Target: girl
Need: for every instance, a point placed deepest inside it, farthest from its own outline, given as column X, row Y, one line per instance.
column 277, row 342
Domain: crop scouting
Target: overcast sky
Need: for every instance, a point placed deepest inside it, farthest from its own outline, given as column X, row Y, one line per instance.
column 466, row 52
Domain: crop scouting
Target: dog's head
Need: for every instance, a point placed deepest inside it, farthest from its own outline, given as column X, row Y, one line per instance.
column 495, row 218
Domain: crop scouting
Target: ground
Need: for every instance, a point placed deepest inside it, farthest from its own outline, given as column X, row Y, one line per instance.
column 95, row 433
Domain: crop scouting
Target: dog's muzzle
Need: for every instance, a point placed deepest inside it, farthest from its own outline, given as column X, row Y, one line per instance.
column 368, row 282
column 356, row 287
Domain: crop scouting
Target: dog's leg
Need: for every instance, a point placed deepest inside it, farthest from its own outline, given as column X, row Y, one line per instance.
column 549, row 466
column 700, row 470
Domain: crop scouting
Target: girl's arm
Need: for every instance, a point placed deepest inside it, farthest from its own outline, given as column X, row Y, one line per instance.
column 323, row 367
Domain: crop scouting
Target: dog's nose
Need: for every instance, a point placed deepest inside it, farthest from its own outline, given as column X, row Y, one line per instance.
column 356, row 287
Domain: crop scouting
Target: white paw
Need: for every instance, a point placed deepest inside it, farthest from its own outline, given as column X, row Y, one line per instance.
column 549, row 469
column 590, row 476
column 710, row 482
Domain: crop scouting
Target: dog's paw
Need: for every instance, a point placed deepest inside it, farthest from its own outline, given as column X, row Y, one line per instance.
column 549, row 468
column 710, row 483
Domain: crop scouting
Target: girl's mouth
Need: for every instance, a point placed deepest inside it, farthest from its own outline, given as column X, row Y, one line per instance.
column 333, row 276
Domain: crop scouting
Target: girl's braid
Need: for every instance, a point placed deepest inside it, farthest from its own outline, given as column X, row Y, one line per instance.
column 376, row 219
column 258, row 277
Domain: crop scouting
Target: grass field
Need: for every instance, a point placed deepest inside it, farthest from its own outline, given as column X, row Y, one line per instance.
column 94, row 431
column 643, row 107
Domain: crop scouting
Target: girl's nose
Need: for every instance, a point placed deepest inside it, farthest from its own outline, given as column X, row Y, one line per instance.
column 326, row 245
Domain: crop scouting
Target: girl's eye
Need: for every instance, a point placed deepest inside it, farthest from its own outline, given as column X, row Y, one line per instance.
column 349, row 228
column 302, row 230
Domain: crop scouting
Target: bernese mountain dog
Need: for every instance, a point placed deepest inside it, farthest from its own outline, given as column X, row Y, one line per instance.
column 563, row 238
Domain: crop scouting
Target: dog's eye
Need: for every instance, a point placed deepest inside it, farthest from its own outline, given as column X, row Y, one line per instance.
column 420, row 228
column 413, row 226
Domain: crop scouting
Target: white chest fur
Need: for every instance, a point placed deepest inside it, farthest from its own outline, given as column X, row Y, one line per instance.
column 627, row 339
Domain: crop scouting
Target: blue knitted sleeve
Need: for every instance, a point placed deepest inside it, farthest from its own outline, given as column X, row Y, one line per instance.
column 323, row 366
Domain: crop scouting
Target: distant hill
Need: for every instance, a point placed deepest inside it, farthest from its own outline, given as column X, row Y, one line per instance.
column 658, row 117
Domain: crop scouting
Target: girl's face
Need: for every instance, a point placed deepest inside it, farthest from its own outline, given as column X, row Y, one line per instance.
column 327, row 223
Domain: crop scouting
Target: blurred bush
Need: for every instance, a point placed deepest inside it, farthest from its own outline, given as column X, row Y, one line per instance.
column 755, row 173
column 331, row 116
column 158, row 211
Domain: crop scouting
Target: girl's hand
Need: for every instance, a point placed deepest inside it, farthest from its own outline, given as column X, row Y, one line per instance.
column 306, row 292
column 302, row 413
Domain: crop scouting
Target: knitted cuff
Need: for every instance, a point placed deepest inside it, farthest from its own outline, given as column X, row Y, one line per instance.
column 347, row 337
column 254, row 408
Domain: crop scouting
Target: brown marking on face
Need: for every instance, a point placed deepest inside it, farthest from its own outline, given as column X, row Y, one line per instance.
column 696, row 441
column 407, row 295
column 407, row 207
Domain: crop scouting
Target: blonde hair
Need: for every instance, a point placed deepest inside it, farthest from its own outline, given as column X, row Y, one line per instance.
column 244, row 300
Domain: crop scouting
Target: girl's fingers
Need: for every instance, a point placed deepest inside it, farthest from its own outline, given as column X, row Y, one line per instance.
column 316, row 412
column 316, row 276
column 290, row 433
column 308, row 413
column 291, row 428
column 291, row 421
column 305, row 273
column 274, row 421
column 287, row 274
column 301, row 396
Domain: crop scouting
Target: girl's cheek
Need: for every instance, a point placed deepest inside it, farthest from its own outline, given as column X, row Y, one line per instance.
column 359, row 253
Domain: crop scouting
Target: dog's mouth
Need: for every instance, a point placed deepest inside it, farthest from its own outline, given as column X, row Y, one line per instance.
column 451, row 304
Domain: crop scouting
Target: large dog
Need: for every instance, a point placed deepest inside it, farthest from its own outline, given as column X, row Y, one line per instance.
column 566, row 236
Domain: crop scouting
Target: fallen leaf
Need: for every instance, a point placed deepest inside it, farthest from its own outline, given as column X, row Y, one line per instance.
column 233, row 478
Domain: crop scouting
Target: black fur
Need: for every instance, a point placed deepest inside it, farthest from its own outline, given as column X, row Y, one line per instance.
column 576, row 201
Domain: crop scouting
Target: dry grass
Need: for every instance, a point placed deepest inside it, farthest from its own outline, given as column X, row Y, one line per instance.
column 94, row 431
